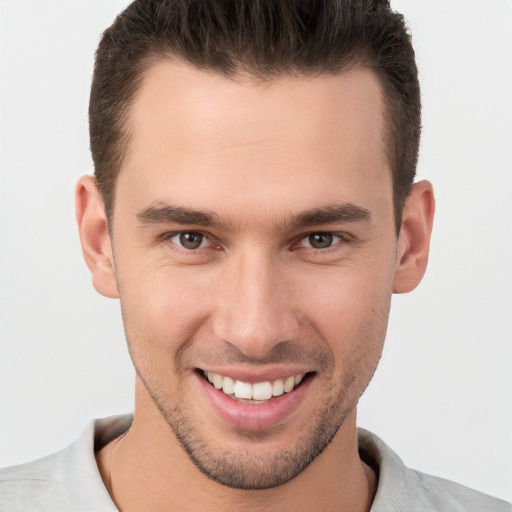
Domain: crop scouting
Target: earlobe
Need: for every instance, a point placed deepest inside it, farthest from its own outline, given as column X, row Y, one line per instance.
column 414, row 238
column 94, row 236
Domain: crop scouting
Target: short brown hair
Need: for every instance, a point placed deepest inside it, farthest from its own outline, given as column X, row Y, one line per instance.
column 266, row 39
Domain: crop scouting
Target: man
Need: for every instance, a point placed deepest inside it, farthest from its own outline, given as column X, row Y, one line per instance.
column 253, row 208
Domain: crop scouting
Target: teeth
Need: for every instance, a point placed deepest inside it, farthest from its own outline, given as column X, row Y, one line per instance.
column 288, row 384
column 277, row 387
column 228, row 386
column 242, row 390
column 217, row 380
column 259, row 391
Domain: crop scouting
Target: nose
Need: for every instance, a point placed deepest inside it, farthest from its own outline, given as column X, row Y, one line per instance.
column 255, row 305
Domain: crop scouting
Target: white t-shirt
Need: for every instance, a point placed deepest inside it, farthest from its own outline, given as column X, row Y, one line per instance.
column 69, row 480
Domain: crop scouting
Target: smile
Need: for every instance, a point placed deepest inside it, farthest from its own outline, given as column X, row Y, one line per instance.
column 258, row 392
column 250, row 402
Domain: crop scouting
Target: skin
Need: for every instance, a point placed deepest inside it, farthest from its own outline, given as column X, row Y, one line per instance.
column 255, row 298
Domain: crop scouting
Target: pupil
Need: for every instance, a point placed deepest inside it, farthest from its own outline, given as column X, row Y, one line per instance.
column 191, row 240
column 320, row 240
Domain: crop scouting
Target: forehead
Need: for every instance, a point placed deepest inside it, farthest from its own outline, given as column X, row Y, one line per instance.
column 312, row 137
column 200, row 101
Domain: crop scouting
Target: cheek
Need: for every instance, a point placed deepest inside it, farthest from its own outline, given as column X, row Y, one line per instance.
column 162, row 309
column 355, row 332
column 349, row 309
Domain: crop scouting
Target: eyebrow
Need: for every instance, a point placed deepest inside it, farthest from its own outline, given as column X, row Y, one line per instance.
column 331, row 214
column 166, row 214
column 161, row 213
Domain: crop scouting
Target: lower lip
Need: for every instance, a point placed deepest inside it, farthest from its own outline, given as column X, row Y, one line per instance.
column 255, row 417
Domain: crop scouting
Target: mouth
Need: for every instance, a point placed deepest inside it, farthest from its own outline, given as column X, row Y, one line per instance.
column 256, row 403
column 254, row 393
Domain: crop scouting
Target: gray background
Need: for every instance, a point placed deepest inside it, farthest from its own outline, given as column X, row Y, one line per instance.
column 442, row 396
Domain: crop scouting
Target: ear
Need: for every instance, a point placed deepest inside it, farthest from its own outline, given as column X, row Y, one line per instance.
column 94, row 236
column 414, row 238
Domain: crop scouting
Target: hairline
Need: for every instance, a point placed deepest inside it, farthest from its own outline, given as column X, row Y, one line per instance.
column 243, row 74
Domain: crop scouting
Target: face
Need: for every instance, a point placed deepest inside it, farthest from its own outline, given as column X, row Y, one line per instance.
column 255, row 252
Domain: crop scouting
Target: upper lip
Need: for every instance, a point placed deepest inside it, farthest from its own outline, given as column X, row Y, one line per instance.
column 252, row 375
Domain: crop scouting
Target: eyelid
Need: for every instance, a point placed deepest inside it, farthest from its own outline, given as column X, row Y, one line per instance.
column 169, row 235
column 342, row 237
column 296, row 243
column 204, row 241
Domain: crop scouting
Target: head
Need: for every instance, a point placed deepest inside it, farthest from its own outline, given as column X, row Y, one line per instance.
column 262, row 40
column 252, row 161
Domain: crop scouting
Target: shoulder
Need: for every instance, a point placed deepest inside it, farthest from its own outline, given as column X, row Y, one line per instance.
column 440, row 494
column 404, row 489
column 32, row 486
column 68, row 480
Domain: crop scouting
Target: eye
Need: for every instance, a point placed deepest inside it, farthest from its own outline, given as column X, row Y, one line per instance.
column 190, row 240
column 320, row 240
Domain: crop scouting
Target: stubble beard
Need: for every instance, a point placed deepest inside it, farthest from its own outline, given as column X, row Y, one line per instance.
column 251, row 467
column 245, row 468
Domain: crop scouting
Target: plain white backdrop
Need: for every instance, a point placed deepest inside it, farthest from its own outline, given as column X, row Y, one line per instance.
column 442, row 396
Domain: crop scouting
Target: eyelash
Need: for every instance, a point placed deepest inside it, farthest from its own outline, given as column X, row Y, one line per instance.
column 167, row 237
column 342, row 238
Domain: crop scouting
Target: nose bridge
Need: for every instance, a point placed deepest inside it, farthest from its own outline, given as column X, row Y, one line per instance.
column 255, row 311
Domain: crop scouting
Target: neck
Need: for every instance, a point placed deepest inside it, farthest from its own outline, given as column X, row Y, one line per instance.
column 147, row 469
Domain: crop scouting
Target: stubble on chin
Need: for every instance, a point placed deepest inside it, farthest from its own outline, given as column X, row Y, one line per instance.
column 247, row 465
